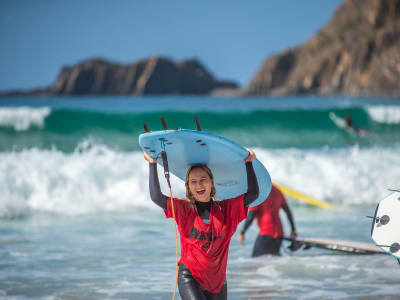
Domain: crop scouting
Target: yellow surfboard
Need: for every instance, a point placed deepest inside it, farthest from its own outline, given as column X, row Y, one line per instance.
column 305, row 198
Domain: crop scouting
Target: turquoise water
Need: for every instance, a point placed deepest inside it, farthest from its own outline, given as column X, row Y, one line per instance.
column 76, row 220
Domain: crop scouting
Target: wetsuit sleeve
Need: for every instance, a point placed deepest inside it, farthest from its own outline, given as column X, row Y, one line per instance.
column 288, row 212
column 250, row 217
column 252, row 185
column 154, row 186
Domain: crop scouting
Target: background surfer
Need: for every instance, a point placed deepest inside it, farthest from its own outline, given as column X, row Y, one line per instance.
column 350, row 124
column 269, row 238
column 205, row 226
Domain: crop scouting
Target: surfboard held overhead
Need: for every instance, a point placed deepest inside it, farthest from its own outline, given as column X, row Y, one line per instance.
column 225, row 158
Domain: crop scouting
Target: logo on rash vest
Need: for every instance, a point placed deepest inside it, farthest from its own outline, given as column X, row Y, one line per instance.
column 206, row 236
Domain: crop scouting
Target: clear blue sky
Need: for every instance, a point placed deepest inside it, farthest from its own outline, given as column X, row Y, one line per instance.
column 230, row 37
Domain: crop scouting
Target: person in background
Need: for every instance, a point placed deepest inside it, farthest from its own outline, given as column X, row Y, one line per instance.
column 269, row 238
column 350, row 124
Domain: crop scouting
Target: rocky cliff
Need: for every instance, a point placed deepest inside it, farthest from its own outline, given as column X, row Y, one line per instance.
column 357, row 53
column 156, row 75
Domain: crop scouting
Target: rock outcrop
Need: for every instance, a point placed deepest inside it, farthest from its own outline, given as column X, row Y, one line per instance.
column 156, row 75
column 357, row 54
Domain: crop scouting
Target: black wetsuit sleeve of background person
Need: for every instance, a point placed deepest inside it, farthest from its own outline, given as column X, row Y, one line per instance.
column 249, row 220
column 203, row 209
column 288, row 212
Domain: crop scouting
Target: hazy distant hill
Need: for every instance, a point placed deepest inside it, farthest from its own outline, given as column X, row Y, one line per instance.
column 155, row 75
column 357, row 53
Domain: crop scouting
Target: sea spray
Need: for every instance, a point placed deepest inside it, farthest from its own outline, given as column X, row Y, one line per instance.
column 97, row 178
column 23, row 118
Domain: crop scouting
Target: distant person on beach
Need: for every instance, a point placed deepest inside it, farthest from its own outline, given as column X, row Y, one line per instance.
column 270, row 235
column 205, row 226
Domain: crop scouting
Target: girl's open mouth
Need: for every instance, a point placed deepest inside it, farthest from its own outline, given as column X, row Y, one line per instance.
column 201, row 192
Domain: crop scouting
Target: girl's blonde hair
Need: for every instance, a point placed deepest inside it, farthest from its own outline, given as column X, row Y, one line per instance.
column 189, row 196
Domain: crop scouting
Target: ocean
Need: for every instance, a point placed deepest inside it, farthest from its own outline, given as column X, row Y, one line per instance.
column 77, row 222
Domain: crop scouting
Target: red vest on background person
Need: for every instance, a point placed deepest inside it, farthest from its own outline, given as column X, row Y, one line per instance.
column 267, row 214
column 204, row 247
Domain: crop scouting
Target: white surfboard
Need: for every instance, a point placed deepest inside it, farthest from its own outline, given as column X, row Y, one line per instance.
column 385, row 229
column 339, row 122
column 333, row 244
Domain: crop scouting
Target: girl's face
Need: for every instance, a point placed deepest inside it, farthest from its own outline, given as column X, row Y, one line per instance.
column 200, row 185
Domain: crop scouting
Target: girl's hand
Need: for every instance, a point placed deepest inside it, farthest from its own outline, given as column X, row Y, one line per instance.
column 149, row 158
column 251, row 157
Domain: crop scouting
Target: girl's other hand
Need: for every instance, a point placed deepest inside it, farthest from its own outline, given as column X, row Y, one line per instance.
column 251, row 157
column 149, row 158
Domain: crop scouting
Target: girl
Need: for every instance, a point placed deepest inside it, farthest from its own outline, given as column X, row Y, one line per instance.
column 205, row 226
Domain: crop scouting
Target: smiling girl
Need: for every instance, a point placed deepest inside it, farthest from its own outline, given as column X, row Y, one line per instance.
column 206, row 227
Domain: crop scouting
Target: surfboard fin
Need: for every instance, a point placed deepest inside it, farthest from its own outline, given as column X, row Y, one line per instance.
column 164, row 124
column 381, row 220
column 197, row 124
column 146, row 128
column 294, row 246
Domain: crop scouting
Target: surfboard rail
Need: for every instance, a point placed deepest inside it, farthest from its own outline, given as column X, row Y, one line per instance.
column 353, row 247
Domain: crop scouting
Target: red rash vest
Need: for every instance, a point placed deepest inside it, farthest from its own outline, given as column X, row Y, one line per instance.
column 267, row 214
column 204, row 247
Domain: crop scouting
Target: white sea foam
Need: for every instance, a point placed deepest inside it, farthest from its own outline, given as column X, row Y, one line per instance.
column 385, row 114
column 93, row 178
column 343, row 176
column 324, row 276
column 22, row 118
column 96, row 178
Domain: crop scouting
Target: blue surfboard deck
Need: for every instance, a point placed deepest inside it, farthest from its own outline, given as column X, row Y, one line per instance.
column 225, row 158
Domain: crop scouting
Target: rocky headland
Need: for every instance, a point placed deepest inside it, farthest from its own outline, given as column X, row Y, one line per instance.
column 356, row 54
column 155, row 75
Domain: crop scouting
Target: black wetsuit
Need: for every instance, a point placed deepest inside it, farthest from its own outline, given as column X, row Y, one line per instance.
column 189, row 288
column 266, row 244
